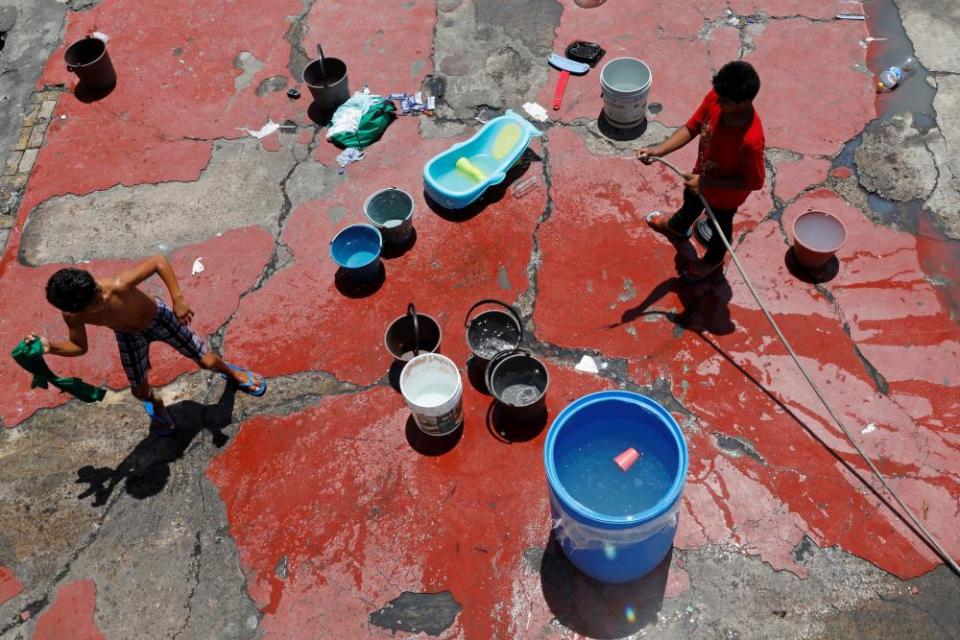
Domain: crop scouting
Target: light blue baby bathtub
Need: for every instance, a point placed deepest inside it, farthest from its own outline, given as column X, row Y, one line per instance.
column 453, row 189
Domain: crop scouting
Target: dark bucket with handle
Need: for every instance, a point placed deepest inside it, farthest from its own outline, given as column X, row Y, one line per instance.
column 493, row 330
column 88, row 58
column 518, row 381
column 412, row 334
column 326, row 78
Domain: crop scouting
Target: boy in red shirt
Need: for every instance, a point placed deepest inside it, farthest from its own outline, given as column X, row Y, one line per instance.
column 730, row 162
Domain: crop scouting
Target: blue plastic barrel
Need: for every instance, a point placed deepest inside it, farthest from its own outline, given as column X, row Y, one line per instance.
column 356, row 249
column 614, row 525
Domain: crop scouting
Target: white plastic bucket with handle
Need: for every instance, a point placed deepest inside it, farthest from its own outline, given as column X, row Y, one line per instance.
column 432, row 388
column 625, row 84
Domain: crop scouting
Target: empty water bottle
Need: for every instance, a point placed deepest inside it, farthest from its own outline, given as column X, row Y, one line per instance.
column 525, row 186
column 892, row 76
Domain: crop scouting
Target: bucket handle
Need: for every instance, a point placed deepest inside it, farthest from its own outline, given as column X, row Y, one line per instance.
column 513, row 312
column 412, row 313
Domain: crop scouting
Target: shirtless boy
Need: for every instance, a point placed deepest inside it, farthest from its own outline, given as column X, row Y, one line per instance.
column 137, row 320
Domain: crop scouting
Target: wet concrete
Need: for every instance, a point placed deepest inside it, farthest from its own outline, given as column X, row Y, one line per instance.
column 321, row 507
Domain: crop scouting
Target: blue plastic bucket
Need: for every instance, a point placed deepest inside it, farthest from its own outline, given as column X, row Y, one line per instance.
column 356, row 249
column 614, row 525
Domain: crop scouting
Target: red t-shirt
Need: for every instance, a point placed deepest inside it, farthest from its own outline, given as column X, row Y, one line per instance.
column 727, row 152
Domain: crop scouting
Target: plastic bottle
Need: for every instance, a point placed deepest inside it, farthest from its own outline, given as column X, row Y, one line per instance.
column 525, row 186
column 892, row 76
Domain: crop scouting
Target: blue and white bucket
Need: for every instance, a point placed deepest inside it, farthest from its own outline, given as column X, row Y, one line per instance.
column 614, row 525
column 356, row 249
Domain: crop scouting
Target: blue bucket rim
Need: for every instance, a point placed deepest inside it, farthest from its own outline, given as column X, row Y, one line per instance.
column 353, row 226
column 577, row 508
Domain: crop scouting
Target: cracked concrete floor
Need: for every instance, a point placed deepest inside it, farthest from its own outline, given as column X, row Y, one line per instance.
column 318, row 510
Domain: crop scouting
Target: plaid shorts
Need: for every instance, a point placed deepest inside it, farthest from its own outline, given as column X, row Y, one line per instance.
column 135, row 347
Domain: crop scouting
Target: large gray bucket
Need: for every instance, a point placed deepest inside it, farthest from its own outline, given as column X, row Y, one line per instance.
column 625, row 84
column 391, row 211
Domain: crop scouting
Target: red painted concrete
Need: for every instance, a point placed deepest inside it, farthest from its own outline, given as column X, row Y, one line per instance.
column 793, row 176
column 213, row 294
column 812, row 113
column 70, row 617
column 659, row 35
column 339, row 491
column 452, row 265
column 9, row 585
column 815, row 9
column 361, row 516
column 175, row 94
column 799, row 497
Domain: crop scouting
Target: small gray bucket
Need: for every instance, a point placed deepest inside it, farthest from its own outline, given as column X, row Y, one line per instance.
column 391, row 211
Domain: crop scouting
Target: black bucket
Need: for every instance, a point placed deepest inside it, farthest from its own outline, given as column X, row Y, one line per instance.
column 327, row 80
column 412, row 334
column 493, row 331
column 518, row 381
column 88, row 58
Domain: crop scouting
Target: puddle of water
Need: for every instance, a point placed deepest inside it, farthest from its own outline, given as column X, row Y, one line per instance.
column 914, row 94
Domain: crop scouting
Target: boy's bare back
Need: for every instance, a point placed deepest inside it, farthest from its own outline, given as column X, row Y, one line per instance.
column 119, row 305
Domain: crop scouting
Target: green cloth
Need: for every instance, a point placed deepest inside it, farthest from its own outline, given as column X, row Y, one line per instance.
column 30, row 357
column 360, row 121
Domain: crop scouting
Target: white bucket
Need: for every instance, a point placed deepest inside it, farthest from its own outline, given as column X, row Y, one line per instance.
column 624, row 84
column 433, row 389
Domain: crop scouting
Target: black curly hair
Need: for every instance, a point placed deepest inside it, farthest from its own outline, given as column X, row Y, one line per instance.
column 71, row 290
column 737, row 81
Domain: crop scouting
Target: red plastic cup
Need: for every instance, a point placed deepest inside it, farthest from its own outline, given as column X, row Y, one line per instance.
column 626, row 459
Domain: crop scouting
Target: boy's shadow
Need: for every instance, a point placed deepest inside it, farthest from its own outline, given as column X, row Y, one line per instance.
column 705, row 303
column 146, row 469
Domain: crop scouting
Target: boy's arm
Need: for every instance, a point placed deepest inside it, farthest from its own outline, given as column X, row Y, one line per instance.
column 159, row 265
column 679, row 139
column 75, row 345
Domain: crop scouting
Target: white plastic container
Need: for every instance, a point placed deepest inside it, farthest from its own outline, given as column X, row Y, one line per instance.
column 625, row 84
column 433, row 389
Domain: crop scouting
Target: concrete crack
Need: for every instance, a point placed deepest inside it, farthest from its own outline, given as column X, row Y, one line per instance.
column 196, row 560
column 281, row 256
column 294, row 35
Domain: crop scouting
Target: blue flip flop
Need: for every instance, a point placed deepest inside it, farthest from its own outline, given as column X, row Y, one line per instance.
column 249, row 387
column 160, row 424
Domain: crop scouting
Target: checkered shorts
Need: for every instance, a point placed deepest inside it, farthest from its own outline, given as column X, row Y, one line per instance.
column 135, row 347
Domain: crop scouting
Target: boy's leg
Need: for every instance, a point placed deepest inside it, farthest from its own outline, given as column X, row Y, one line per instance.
column 687, row 214
column 144, row 393
column 135, row 357
column 715, row 248
column 213, row 362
